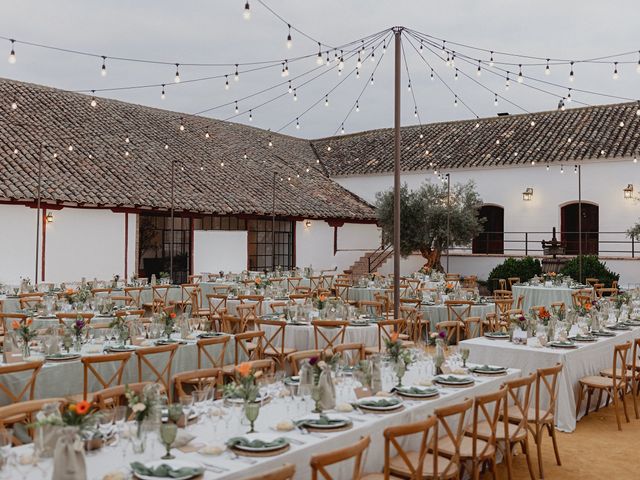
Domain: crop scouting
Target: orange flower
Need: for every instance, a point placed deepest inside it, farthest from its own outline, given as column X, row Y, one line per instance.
column 587, row 306
column 244, row 369
column 323, row 297
column 172, row 315
column 69, row 291
column 394, row 336
column 82, row 407
column 72, row 408
column 258, row 280
column 15, row 324
column 29, row 321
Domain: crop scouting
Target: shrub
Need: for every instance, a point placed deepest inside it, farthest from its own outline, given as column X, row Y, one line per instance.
column 524, row 268
column 592, row 267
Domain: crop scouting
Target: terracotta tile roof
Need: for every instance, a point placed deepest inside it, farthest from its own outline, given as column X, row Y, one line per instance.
column 97, row 171
column 594, row 132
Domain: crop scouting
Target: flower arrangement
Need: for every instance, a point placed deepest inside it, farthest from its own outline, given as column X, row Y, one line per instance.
column 260, row 282
column 169, row 321
column 80, row 415
column 449, row 287
column 584, row 309
column 120, row 325
column 77, row 327
column 544, row 315
column 398, row 354
column 143, row 405
column 78, row 296
column 438, row 337
column 425, row 270
column 321, row 301
column 23, row 330
column 245, row 386
column 621, row 300
column 558, row 312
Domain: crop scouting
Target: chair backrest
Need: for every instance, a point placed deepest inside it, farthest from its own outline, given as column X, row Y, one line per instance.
column 458, row 310
column 518, row 400
column 274, row 339
column 635, row 356
column 27, row 388
column 25, row 414
column 213, row 359
column 370, row 307
column 546, row 387
column 503, row 305
column 451, row 422
column 591, row 280
column 115, row 396
column 452, row 277
column 134, row 293
column 247, row 312
column 233, row 325
column 329, row 333
column 355, row 451
column 296, row 358
column 502, row 293
column 452, row 330
column 620, row 356
column 315, row 283
column 98, row 291
column 186, row 382
column 30, row 301
column 162, row 373
column 194, row 279
column 386, row 328
column 512, row 280
column 8, row 318
column 249, row 344
column 73, row 316
column 278, row 307
column 396, row 437
column 255, row 300
column 293, row 282
column 265, row 365
column 160, row 293
column 285, row 472
column 342, row 290
column 89, row 364
column 473, row 327
column 606, row 292
column 186, row 290
column 385, row 300
column 503, row 284
column 486, row 411
column 221, row 289
column 580, row 299
column 492, row 322
column 355, row 352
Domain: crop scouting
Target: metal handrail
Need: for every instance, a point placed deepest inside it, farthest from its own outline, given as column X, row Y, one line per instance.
column 379, row 256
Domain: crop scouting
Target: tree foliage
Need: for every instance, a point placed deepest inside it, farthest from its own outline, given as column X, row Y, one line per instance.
column 592, row 267
column 423, row 218
column 523, row 268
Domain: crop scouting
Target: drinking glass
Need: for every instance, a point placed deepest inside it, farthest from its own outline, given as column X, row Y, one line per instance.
column 6, row 437
column 168, row 433
column 464, row 353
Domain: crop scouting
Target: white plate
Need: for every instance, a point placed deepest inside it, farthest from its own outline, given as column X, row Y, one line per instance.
column 493, row 370
column 390, row 407
column 261, row 398
column 439, row 379
column 175, row 464
column 265, row 437
column 344, row 421
column 427, row 392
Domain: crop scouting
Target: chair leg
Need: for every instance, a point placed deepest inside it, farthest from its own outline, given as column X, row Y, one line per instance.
column 580, row 395
column 552, row 432
column 494, row 471
column 527, row 452
column 614, row 395
column 508, row 453
column 624, row 405
column 600, row 400
column 634, row 396
column 589, row 393
column 538, row 439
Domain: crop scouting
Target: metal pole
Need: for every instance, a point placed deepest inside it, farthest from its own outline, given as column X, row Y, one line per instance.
column 39, row 197
column 396, row 174
column 448, row 217
column 273, row 224
column 580, row 223
column 171, row 243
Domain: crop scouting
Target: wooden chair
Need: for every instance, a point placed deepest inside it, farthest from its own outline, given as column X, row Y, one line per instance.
column 491, row 323
column 298, row 298
column 512, row 281
column 274, row 342
column 503, row 305
column 502, row 283
column 8, row 318
column 293, row 282
column 30, row 302
column 501, row 294
column 233, row 325
column 285, row 472
column 161, row 375
column 194, row 279
column 580, row 299
column 451, row 429
column 615, row 385
column 606, row 292
column 255, row 300
column 135, row 294
column 473, row 327
column 372, row 308
column 25, row 413
column 187, row 292
column 266, row 365
column 115, row 396
column 27, row 389
column 486, row 413
column 342, row 291
column 352, row 352
column 221, row 289
column 90, row 363
column 632, row 373
column 247, row 313
column 213, row 360
column 542, row 417
column 356, row 451
column 329, row 333
column 416, row 464
column 159, row 294
column 415, row 324
column 520, row 301
column 385, row 330
column 458, row 310
column 185, row 383
column 250, row 345
column 278, row 307
column 452, row 277
column 101, row 292
column 470, row 281
column 295, row 359
column 452, row 330
column 67, row 318
column 591, row 280
column 315, row 283
column 560, row 306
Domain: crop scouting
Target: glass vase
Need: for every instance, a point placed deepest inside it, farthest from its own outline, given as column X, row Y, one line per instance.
column 251, row 411
column 315, row 396
column 139, row 440
column 400, row 368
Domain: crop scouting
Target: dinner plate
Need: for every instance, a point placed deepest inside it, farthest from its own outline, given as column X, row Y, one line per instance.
column 395, row 403
column 632, row 323
column 489, row 369
column 583, row 338
column 62, row 357
column 604, row 333
column 454, row 380
column 174, row 464
column 619, row 326
column 122, row 349
column 337, row 421
column 265, row 437
column 497, row 335
column 292, row 380
column 212, row 335
column 417, row 391
column 260, row 398
column 562, row 345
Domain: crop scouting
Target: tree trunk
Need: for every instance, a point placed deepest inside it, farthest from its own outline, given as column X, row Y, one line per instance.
column 433, row 258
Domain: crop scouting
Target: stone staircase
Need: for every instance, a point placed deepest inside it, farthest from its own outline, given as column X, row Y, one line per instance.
column 378, row 258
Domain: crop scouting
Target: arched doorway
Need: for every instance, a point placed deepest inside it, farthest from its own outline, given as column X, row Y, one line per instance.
column 491, row 240
column 569, row 228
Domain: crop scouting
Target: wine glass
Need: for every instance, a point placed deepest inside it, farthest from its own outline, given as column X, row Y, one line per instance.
column 464, row 353
column 6, row 438
column 168, row 433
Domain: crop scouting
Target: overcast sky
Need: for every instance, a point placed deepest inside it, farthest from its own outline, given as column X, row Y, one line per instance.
column 215, row 31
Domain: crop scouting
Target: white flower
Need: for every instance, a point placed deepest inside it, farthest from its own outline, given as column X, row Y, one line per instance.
column 322, row 364
column 139, row 407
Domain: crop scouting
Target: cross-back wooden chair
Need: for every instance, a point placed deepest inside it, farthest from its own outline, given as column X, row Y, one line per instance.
column 352, row 352
column 249, row 346
column 470, row 281
column 67, row 318
column 233, row 325
column 591, row 280
column 101, row 292
column 453, row 330
column 301, row 290
column 135, row 294
column 194, row 279
column 473, row 327
column 500, row 294
column 265, row 365
column 185, row 383
column 491, row 323
column 502, row 283
column 274, row 340
column 278, row 307
column 91, row 366
column 30, row 302
column 208, row 358
column 255, row 300
column 385, row 329
column 356, row 451
column 542, row 416
column 295, row 359
column 329, row 333
column 116, row 396
column 293, row 282
column 372, row 308
column 160, row 374
column 458, row 310
column 606, row 292
column 343, row 278
column 580, row 299
column 248, row 313
column 315, row 283
column 342, row 291
column 327, row 281
column 451, row 430
column 221, row 289
column 24, row 391
column 285, row 472
column 502, row 307
column 413, row 464
column 298, row 298
column 512, row 281
column 8, row 318
column 473, row 449
column 415, row 323
column 186, row 296
column 615, row 385
column 451, row 277
column 632, row 373
column 216, row 309
column 24, row 413
column 560, row 306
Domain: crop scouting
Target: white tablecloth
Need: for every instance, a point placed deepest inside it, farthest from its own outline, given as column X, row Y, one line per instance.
column 438, row 313
column 301, row 337
column 543, row 296
column 587, row 359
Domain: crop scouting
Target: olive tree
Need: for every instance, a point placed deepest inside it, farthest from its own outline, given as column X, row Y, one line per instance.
column 423, row 218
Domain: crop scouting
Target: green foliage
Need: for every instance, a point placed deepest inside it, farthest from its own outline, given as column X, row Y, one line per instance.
column 592, row 267
column 634, row 232
column 423, row 216
column 524, row 268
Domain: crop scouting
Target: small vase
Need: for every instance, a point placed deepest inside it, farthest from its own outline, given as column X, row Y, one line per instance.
column 251, row 411
column 315, row 396
column 77, row 345
column 26, row 350
column 139, row 441
column 400, row 369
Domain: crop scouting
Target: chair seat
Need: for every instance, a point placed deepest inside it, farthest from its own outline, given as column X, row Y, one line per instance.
column 408, row 344
column 379, row 476
column 398, row 467
column 270, row 351
column 200, row 312
column 446, row 446
column 608, row 372
column 597, row 381
column 516, row 416
column 515, row 432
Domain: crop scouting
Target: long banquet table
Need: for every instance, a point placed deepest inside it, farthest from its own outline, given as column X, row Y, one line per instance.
column 587, row 359
column 110, row 459
column 540, row 295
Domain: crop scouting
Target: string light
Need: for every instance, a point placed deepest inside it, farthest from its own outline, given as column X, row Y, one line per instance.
column 561, row 168
column 126, row 153
column 635, row 159
column 432, row 75
column 357, row 106
column 245, row 156
column 575, row 169
column 14, row 106
column 638, row 67
column 236, row 109
column 103, row 69
column 166, row 147
column 289, row 41
column 177, row 77
column 181, row 125
column 359, row 61
column 547, row 69
column 295, row 95
column 290, row 87
column 297, row 124
column 455, row 77
column 328, row 62
column 15, row 151
column 93, row 99
column 206, row 134
column 226, row 82
column 533, row 162
column 571, row 75
column 455, row 101
column 491, row 63
column 495, row 99
column 615, row 75
column 372, row 84
column 236, row 76
column 270, row 143
column 479, row 70
column 415, row 111
column 547, row 167
column 319, row 59
column 250, row 116
column 162, row 94
column 326, row 100
column 341, row 62
column 247, row 11
column 409, row 86
column 357, row 73
column 520, row 77
column 70, row 148
column 569, row 96
column 372, row 57
column 12, row 55
column 507, row 83
column 342, row 129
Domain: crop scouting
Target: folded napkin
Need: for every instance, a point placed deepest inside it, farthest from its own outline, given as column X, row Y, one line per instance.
column 182, row 439
column 383, row 402
column 488, row 368
column 165, row 470
column 453, row 379
column 256, row 443
column 322, row 420
column 415, row 390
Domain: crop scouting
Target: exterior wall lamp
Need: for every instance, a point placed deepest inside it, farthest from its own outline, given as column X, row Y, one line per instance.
column 628, row 192
column 49, row 217
column 527, row 195
column 307, row 224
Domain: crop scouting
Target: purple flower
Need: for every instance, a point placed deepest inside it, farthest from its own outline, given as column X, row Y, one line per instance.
column 79, row 323
column 521, row 319
column 442, row 334
column 313, row 361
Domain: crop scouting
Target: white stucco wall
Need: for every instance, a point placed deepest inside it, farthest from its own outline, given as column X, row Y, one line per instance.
column 17, row 243
column 219, row 250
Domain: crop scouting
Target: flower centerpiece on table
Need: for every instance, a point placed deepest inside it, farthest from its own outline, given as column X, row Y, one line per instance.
column 260, row 282
column 321, row 301
column 621, row 300
column 543, row 315
column 425, row 270
column 583, row 309
column 168, row 319
column 121, row 326
column 144, row 407
column 440, row 341
column 398, row 354
column 316, row 375
column 26, row 333
column 449, row 287
column 81, row 415
column 77, row 330
column 246, row 388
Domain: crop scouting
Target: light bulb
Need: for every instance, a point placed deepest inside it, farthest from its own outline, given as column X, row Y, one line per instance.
column 455, row 101
column 575, row 169
column 297, row 124
column 455, row 77
column 432, row 76
column 372, row 57
column 222, row 164
column 247, row 11
column 357, row 73
column 226, row 82
column 341, row 64
column 329, row 148
column 571, row 76
column 342, row 129
column 479, row 70
column 547, row 168
column 290, row 89
column 15, row 151
column 561, row 168
column 533, row 162
column 357, row 106
column 245, row 156
column 12, row 55
column 181, row 128
column 93, row 102
column 569, row 96
column 409, row 86
column 635, row 159
column 126, row 153
column 507, row 83
column 14, row 106
column 372, row 84
column 615, row 75
column 270, row 143
column 326, row 101
column 250, row 116
column 162, row 95
column 533, row 124
column 70, row 148
column 177, row 77
column 295, row 96
column 236, row 76
column 495, row 99
column 319, row 60
column 491, row 63
column 103, row 69
column 520, row 77
column 206, row 135
column 415, row 112
column 289, row 40
column 236, row 108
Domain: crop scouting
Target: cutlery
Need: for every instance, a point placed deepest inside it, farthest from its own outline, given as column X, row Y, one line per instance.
column 215, row 468
column 235, row 456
